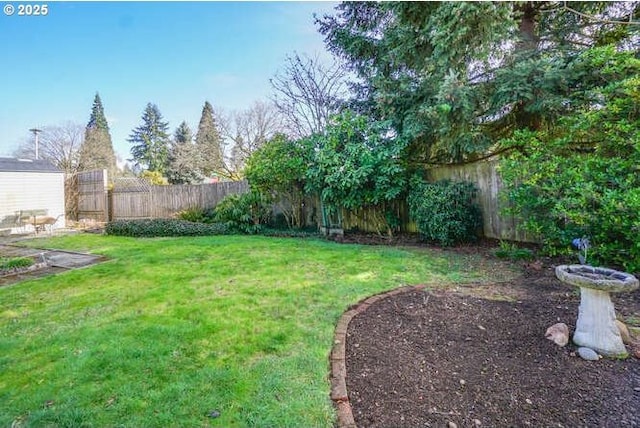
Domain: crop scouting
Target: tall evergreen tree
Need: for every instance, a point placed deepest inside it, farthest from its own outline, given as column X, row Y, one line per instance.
column 455, row 77
column 97, row 151
column 183, row 134
column 209, row 143
column 151, row 141
column 184, row 159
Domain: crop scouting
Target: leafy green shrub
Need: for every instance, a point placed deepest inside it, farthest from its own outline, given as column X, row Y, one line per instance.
column 581, row 178
column 277, row 169
column 149, row 228
column 243, row 213
column 7, row 263
column 197, row 215
column 357, row 165
column 445, row 211
column 567, row 197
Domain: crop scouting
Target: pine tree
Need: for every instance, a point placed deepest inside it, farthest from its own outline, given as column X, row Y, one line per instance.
column 97, row 151
column 184, row 159
column 183, row 134
column 150, row 141
column 456, row 78
column 209, row 143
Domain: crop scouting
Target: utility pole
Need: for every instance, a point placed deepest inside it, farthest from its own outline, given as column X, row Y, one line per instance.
column 36, row 131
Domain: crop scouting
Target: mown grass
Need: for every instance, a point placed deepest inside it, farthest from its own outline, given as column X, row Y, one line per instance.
column 171, row 329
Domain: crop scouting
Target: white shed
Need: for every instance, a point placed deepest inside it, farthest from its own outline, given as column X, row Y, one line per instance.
column 30, row 189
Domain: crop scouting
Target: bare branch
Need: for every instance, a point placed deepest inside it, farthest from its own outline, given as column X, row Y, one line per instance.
column 598, row 19
column 307, row 93
column 59, row 144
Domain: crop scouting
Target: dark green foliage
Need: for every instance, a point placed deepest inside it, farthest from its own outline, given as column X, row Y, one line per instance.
column 209, row 143
column 243, row 213
column 582, row 179
column 198, row 215
column 289, row 233
column 445, row 211
column 274, row 228
column 356, row 164
column 454, row 77
column 8, row 263
column 97, row 151
column 97, row 120
column 278, row 169
column 183, row 134
column 151, row 141
column 149, row 228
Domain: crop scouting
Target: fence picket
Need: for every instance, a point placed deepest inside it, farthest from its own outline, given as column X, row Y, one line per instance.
column 166, row 201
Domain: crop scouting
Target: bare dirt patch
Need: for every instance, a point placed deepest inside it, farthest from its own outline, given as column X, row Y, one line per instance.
column 477, row 356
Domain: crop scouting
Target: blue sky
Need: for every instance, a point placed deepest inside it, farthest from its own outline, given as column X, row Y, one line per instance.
column 174, row 54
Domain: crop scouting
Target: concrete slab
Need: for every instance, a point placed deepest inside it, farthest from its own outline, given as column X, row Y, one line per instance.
column 56, row 261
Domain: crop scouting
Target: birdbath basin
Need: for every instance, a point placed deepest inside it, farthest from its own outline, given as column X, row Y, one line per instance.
column 596, row 326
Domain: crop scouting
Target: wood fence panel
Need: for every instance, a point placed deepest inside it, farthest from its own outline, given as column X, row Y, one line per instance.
column 130, row 205
column 371, row 219
column 92, row 195
column 166, row 201
column 485, row 176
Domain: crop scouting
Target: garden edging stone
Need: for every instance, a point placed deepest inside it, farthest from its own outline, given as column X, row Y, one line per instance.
column 339, row 393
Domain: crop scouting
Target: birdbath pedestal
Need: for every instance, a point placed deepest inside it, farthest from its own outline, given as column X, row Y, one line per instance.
column 596, row 326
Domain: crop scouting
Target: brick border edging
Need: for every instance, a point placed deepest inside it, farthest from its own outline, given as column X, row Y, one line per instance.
column 339, row 394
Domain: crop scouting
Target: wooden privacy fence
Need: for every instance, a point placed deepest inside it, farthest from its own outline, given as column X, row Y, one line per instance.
column 133, row 198
column 372, row 219
column 92, row 197
column 485, row 176
column 142, row 200
column 92, row 202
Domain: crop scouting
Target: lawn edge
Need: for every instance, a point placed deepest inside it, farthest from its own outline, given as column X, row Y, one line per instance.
column 339, row 394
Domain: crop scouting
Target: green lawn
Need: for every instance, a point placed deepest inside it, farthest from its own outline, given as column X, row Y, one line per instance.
column 169, row 330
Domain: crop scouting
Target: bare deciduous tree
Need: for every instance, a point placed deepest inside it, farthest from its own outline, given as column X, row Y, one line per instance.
column 245, row 131
column 249, row 129
column 308, row 93
column 59, row 144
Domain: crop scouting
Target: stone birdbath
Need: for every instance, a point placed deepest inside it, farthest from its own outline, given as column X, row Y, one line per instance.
column 596, row 326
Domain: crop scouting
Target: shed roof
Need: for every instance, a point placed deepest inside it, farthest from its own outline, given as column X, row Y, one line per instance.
column 26, row 165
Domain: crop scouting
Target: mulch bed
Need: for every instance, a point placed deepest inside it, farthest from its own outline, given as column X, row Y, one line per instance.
column 477, row 356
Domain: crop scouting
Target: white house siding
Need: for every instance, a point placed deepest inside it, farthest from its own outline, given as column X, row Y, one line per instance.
column 27, row 190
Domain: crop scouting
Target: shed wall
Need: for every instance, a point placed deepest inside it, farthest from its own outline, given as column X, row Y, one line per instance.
column 21, row 191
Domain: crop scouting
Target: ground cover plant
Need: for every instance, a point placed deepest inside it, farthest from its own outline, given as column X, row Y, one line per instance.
column 9, row 263
column 198, row 331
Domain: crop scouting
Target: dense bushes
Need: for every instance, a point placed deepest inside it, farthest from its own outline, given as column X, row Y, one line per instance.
column 149, row 228
column 197, row 215
column 243, row 213
column 277, row 170
column 564, row 197
column 582, row 177
column 445, row 212
column 357, row 165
